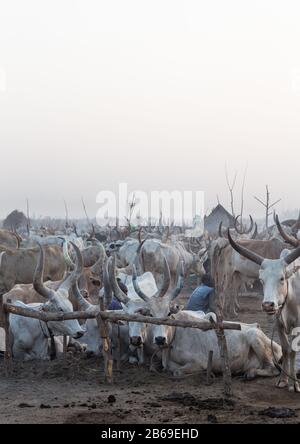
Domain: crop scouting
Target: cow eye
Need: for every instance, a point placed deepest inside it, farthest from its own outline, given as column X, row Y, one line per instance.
column 282, row 279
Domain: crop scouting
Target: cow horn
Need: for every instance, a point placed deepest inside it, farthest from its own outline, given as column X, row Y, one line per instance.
column 67, row 257
column 76, row 273
column 203, row 253
column 243, row 231
column 83, row 303
column 137, row 287
column 221, row 232
column 97, row 267
column 75, row 230
column 166, row 282
column 1, row 257
column 290, row 239
column 220, row 229
column 119, row 294
column 38, row 278
column 140, row 235
column 18, row 237
column 296, row 226
column 180, row 281
column 255, row 232
column 244, row 251
column 293, row 255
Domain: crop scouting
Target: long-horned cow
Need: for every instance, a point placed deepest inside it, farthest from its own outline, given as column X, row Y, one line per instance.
column 230, row 271
column 186, row 350
column 18, row 266
column 132, row 304
column 281, row 287
column 154, row 253
column 29, row 336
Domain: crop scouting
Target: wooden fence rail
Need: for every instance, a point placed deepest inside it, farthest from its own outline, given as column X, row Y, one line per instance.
column 113, row 316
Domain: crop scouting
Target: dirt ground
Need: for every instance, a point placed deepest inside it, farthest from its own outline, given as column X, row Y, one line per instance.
column 73, row 391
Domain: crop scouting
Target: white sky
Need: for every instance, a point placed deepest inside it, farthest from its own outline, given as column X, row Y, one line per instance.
column 158, row 94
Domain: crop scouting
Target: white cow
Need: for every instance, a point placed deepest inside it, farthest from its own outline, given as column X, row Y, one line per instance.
column 249, row 349
column 133, row 304
column 281, row 285
column 130, row 334
column 29, row 336
column 186, row 350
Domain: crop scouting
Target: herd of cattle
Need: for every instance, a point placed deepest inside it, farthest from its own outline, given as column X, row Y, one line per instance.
column 65, row 272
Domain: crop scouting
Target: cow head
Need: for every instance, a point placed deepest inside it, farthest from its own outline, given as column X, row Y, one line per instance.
column 274, row 275
column 159, row 305
column 136, row 330
column 91, row 278
column 198, row 261
column 58, row 300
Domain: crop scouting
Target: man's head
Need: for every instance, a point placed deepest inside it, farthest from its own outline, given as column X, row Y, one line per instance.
column 208, row 280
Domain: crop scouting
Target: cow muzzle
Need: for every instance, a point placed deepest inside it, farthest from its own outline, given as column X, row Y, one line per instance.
column 78, row 335
column 269, row 308
column 160, row 341
column 136, row 341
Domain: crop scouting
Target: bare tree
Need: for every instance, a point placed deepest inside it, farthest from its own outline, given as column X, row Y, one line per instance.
column 131, row 207
column 85, row 212
column 231, row 186
column 267, row 206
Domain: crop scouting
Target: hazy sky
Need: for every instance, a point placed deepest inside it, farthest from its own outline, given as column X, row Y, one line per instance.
column 158, row 94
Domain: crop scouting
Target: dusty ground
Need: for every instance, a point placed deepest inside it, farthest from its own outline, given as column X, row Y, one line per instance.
column 72, row 391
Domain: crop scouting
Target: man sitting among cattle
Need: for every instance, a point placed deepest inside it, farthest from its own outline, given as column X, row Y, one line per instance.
column 203, row 297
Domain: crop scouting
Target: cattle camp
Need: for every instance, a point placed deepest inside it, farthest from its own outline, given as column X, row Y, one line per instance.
column 138, row 316
column 149, row 215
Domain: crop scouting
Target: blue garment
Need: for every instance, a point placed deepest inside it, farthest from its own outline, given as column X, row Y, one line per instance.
column 115, row 305
column 199, row 299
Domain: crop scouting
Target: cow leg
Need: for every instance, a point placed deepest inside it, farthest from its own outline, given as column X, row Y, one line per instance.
column 283, row 380
column 53, row 354
column 190, row 367
column 141, row 355
column 165, row 359
column 261, row 346
column 293, row 382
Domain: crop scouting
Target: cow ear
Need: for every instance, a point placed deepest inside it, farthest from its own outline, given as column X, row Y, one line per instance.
column 290, row 273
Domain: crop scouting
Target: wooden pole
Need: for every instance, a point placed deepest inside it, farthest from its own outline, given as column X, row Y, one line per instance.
column 106, row 346
column 219, row 329
column 111, row 316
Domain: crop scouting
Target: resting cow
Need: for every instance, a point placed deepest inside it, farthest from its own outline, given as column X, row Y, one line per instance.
column 186, row 350
column 29, row 336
